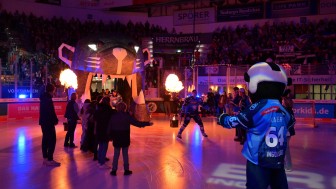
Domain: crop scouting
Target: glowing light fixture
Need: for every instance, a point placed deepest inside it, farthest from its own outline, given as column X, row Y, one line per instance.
column 93, row 46
column 173, row 84
column 22, row 96
column 136, row 48
column 68, row 78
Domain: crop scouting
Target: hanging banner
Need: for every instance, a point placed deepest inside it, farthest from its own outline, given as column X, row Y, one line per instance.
column 327, row 6
column 197, row 16
column 292, row 9
column 183, row 41
column 52, row 2
column 248, row 12
column 95, row 4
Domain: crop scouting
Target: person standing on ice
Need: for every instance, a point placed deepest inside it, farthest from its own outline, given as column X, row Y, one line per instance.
column 190, row 110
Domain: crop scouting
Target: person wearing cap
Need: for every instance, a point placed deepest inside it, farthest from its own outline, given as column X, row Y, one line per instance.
column 48, row 120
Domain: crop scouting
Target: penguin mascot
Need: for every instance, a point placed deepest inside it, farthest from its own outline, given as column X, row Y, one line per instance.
column 266, row 122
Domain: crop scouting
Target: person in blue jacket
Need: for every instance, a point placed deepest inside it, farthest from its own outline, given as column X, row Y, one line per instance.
column 266, row 122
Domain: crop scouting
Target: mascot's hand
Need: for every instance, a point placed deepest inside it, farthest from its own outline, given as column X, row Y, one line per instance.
column 221, row 119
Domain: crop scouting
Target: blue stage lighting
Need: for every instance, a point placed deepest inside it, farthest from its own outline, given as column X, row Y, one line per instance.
column 22, row 96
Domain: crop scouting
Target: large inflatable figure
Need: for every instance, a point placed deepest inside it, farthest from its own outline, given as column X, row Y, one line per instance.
column 114, row 55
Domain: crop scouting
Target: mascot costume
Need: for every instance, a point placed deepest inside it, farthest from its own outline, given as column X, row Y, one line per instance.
column 111, row 55
column 266, row 122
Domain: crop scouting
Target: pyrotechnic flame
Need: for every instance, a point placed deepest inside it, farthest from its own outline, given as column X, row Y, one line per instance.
column 68, row 78
column 173, row 84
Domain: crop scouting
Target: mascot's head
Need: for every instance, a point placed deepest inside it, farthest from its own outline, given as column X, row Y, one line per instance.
column 266, row 81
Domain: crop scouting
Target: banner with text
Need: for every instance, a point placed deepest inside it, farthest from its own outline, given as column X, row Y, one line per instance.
column 220, row 80
column 297, row 8
column 31, row 110
column 184, row 41
column 313, row 79
column 96, row 4
column 248, row 12
column 311, row 110
column 327, row 6
column 194, row 16
column 8, row 91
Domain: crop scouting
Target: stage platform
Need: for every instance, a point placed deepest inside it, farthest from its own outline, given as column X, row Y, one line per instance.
column 158, row 160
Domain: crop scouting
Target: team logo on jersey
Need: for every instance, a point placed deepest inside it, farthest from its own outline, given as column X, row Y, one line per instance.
column 269, row 110
column 253, row 106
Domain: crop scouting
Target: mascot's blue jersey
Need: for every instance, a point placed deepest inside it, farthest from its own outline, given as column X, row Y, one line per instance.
column 191, row 105
column 266, row 123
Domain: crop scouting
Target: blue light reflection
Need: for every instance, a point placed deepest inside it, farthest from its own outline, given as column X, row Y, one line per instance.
column 21, row 147
column 196, row 149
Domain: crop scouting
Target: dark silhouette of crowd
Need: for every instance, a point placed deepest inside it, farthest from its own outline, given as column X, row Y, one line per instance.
column 247, row 45
column 31, row 39
column 28, row 38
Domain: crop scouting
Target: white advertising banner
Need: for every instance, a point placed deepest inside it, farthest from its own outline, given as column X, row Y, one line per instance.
column 199, row 16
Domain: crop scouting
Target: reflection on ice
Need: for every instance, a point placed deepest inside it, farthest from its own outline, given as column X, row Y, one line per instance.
column 158, row 160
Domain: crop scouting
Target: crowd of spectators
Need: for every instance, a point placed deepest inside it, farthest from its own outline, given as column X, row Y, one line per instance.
column 38, row 39
column 26, row 38
column 247, row 45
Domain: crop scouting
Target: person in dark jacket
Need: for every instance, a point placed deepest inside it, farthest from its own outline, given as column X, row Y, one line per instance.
column 48, row 120
column 166, row 103
column 119, row 131
column 92, row 130
column 102, row 117
column 85, row 118
column 71, row 113
column 287, row 102
column 245, row 102
column 89, row 142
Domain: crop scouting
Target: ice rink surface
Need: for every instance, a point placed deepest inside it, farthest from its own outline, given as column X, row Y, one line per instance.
column 158, row 160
